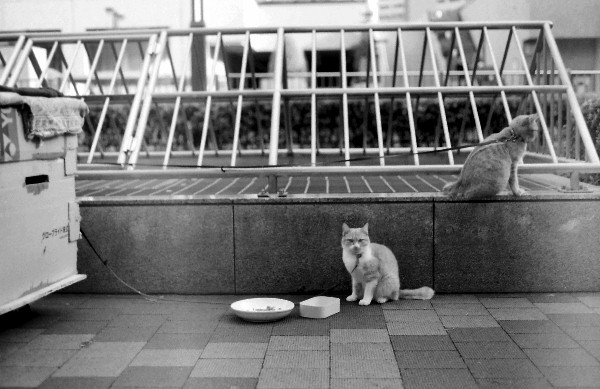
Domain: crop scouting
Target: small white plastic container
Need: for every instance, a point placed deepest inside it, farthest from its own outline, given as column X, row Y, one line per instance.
column 319, row 307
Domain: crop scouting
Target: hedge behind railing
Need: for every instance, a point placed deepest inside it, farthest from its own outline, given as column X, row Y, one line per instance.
column 257, row 115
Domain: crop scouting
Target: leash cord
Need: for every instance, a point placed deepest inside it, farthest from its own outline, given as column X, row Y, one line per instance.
column 224, row 168
column 158, row 299
column 146, row 296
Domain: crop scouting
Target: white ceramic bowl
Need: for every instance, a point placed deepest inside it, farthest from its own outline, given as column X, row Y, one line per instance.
column 262, row 309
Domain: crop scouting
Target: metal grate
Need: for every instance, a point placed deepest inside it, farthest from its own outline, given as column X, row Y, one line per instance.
column 157, row 98
column 305, row 185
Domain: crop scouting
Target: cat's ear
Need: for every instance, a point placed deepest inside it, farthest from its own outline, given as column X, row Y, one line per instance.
column 345, row 229
column 365, row 228
column 534, row 119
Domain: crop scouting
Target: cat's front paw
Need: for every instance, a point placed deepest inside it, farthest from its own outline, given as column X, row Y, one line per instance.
column 381, row 300
column 352, row 297
column 520, row 192
column 364, row 302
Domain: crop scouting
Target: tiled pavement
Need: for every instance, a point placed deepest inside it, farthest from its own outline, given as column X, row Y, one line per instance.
column 452, row 341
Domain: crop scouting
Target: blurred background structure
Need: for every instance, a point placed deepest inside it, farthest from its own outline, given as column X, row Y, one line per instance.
column 579, row 46
column 213, row 78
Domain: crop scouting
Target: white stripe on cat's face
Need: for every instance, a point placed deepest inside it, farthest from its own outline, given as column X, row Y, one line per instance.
column 355, row 240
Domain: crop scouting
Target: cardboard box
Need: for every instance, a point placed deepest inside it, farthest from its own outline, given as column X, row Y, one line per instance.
column 39, row 229
column 14, row 146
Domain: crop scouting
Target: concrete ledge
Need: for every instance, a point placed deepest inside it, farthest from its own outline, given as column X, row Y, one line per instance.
column 157, row 248
column 517, row 246
column 248, row 245
column 288, row 247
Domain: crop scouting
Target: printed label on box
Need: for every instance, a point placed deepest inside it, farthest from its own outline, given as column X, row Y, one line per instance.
column 9, row 141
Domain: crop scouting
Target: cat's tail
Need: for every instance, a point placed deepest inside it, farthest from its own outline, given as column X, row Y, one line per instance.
column 450, row 187
column 423, row 293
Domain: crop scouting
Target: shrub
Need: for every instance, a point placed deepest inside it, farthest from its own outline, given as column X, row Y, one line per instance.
column 255, row 123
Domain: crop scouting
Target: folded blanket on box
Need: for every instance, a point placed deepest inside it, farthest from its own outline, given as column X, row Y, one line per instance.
column 25, row 91
column 47, row 117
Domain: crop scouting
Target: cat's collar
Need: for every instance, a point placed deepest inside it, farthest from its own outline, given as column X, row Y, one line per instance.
column 513, row 136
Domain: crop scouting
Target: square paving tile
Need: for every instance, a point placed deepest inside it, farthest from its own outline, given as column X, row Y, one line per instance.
column 153, row 321
column 583, row 333
column 102, row 359
column 502, row 368
column 575, row 319
column 233, row 324
column 421, row 342
column 282, row 378
column 563, row 308
column 590, row 301
column 437, row 359
column 362, row 383
column 468, row 321
column 299, row 326
column 220, row 383
column 489, row 350
column 43, row 321
column 299, row 343
column 76, row 327
column 454, row 298
column 492, row 334
column 156, row 377
column 348, row 320
column 19, row 334
column 77, row 383
column 362, row 351
column 592, row 346
column 188, row 327
column 302, row 359
column 517, row 314
column 125, row 334
column 373, row 309
column 412, row 315
column 37, row 357
column 551, row 298
column 89, row 314
column 415, row 328
column 438, row 378
column 7, row 348
column 234, row 350
column 561, row 357
column 24, row 376
column 529, row 326
column 239, row 338
column 241, row 331
column 544, row 340
column 407, row 304
column 227, row 368
column 64, row 342
column 197, row 314
column 166, row 358
column 516, row 383
column 508, row 302
column 359, row 335
column 178, row 341
column 350, row 368
column 461, row 309
column 572, row 376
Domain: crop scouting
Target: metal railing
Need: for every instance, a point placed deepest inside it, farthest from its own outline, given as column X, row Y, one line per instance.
column 246, row 112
